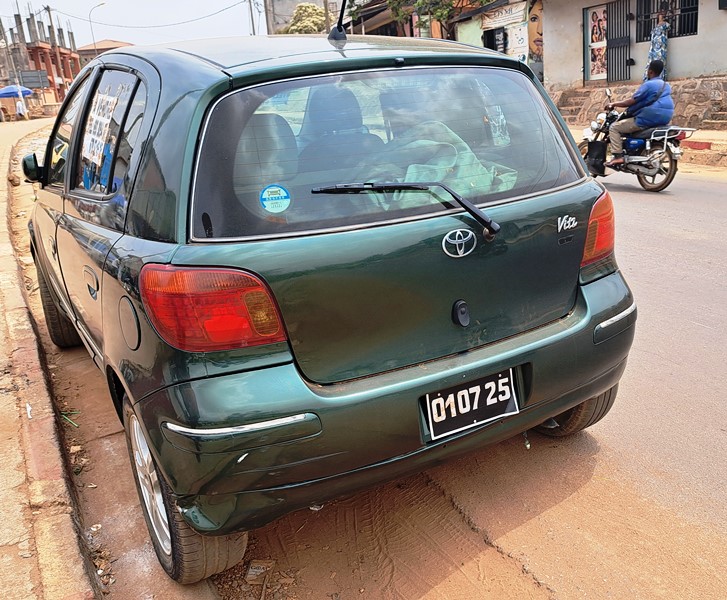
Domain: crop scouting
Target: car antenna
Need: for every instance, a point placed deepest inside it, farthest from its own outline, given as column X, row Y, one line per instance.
column 338, row 33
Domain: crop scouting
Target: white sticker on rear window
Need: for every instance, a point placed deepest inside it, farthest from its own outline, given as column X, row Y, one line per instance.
column 275, row 198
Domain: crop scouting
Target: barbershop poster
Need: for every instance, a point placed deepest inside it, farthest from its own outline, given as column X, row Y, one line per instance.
column 595, row 32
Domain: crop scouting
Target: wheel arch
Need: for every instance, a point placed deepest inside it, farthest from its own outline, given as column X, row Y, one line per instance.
column 117, row 391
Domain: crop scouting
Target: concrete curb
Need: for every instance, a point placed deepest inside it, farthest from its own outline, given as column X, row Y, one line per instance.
column 60, row 570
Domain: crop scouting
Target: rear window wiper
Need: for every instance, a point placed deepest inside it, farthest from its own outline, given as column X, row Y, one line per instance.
column 491, row 228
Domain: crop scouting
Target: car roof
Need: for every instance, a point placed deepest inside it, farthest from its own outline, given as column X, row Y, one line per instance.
column 237, row 55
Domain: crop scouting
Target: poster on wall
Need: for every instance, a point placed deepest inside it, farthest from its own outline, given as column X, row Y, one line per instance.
column 597, row 23
column 517, row 41
column 504, row 15
column 535, row 37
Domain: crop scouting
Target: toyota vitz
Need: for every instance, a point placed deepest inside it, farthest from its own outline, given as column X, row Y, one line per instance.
column 309, row 266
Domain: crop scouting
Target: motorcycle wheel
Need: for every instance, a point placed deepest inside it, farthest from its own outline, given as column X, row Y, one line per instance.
column 666, row 173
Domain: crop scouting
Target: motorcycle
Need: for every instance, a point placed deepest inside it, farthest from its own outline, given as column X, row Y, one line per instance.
column 650, row 154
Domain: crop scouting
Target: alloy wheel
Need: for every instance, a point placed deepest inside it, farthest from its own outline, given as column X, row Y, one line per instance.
column 151, row 490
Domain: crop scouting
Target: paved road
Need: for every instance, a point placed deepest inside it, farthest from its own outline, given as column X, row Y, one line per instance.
column 633, row 508
column 670, row 430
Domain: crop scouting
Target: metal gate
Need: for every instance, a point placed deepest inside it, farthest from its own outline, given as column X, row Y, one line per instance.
column 618, row 41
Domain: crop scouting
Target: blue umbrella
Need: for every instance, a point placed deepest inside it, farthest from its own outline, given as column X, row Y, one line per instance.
column 14, row 91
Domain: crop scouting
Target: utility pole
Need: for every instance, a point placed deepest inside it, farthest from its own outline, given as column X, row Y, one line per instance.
column 327, row 13
column 252, row 18
column 11, row 64
column 270, row 15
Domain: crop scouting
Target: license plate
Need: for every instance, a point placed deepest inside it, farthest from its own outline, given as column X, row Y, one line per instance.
column 468, row 405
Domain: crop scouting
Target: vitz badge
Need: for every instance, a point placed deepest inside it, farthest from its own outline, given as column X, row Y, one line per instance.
column 566, row 222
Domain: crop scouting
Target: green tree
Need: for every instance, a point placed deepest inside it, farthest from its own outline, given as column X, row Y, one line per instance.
column 307, row 18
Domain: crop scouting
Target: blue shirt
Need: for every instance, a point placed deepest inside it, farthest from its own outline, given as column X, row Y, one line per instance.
column 657, row 113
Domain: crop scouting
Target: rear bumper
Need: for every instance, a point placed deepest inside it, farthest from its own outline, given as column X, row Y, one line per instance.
column 241, row 450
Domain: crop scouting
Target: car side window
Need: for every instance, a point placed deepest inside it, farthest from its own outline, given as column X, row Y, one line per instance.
column 129, row 137
column 113, row 209
column 62, row 138
column 109, row 104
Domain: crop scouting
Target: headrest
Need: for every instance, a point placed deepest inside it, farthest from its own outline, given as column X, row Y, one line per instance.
column 267, row 152
column 333, row 109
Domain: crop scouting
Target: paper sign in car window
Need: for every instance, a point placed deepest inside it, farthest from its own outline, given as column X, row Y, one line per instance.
column 97, row 129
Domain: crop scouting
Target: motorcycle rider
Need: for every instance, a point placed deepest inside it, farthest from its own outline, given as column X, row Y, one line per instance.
column 651, row 106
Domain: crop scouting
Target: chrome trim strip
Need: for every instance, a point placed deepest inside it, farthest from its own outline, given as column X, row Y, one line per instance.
column 618, row 317
column 238, row 429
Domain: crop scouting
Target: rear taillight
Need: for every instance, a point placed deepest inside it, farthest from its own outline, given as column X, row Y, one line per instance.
column 601, row 234
column 207, row 310
column 682, row 135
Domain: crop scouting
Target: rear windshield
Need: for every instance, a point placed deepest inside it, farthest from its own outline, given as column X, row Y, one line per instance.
column 485, row 132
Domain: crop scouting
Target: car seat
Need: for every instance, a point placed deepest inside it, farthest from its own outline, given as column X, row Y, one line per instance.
column 338, row 138
column 266, row 155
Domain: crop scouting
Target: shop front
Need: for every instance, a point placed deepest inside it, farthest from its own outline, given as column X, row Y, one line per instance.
column 514, row 29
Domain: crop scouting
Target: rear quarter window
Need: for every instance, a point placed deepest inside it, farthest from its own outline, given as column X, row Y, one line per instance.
column 485, row 132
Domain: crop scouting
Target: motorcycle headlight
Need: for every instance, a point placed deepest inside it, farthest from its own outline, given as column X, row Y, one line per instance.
column 594, row 126
column 601, row 118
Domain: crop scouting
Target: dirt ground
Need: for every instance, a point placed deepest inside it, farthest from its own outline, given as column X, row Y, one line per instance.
column 560, row 520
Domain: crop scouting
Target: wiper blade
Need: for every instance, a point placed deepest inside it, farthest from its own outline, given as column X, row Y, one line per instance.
column 491, row 227
column 355, row 188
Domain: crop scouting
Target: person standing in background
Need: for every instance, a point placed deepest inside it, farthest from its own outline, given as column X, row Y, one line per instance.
column 20, row 110
column 659, row 37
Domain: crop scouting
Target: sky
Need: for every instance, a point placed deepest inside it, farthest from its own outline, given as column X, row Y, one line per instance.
column 142, row 21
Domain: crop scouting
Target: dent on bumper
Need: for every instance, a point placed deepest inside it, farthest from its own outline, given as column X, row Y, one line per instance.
column 251, row 435
column 240, row 450
column 245, row 510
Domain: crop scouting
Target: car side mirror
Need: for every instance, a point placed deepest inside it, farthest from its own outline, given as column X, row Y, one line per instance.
column 31, row 169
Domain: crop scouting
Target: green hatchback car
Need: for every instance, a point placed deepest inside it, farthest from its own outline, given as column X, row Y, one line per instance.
column 309, row 266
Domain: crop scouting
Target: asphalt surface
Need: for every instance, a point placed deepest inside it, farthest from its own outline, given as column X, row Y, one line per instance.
column 44, row 545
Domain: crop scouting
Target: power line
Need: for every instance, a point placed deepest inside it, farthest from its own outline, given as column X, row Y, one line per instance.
column 154, row 26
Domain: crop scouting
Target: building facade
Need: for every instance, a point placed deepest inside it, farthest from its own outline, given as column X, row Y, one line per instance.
column 592, row 43
column 513, row 28
column 38, row 56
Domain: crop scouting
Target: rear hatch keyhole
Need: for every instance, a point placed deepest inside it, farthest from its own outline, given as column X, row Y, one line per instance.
column 461, row 313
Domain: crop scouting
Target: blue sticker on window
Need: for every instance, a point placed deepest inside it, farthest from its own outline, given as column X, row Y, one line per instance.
column 275, row 198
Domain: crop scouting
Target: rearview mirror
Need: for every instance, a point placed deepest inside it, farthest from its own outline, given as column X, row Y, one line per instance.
column 31, row 169
column 608, row 93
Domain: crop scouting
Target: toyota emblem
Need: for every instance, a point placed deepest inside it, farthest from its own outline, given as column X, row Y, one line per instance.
column 459, row 243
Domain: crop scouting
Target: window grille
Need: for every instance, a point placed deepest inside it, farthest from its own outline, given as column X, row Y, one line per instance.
column 682, row 16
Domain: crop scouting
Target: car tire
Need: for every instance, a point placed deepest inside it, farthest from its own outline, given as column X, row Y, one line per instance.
column 185, row 555
column 60, row 328
column 579, row 417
